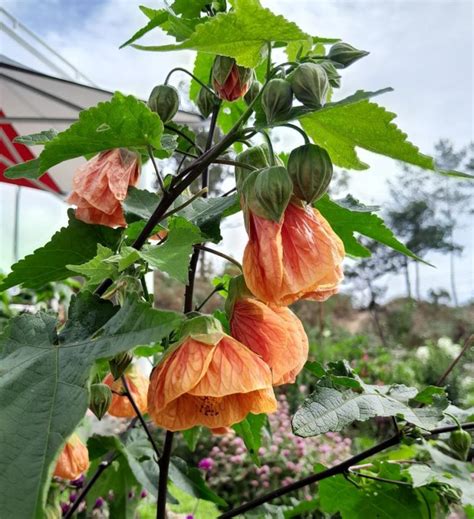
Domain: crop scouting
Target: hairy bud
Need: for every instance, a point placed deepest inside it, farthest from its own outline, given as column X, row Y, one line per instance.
column 310, row 84
column 206, row 102
column 164, row 101
column 120, row 363
column 277, row 99
column 253, row 92
column 343, row 54
column 460, row 441
column 310, row 169
column 100, row 399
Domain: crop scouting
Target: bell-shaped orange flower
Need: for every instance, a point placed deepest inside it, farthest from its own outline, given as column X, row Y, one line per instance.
column 230, row 81
column 100, row 185
column 208, row 378
column 274, row 333
column 73, row 460
column 138, row 387
column 297, row 258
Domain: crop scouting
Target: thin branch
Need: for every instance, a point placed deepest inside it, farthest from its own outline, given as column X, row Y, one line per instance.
column 237, row 163
column 163, row 478
column 450, row 368
column 129, row 395
column 216, row 289
column 336, row 469
column 377, row 478
column 219, row 253
column 227, row 193
column 157, row 171
column 179, row 69
column 190, row 200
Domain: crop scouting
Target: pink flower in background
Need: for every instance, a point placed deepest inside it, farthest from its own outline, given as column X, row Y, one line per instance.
column 206, row 464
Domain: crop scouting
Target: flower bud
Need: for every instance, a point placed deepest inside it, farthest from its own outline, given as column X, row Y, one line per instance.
column 253, row 91
column 206, row 102
column 257, row 156
column 120, row 363
column 343, row 54
column 100, row 399
column 460, row 441
column 277, row 99
column 267, row 192
column 164, row 101
column 310, row 84
column 230, row 80
column 310, row 169
column 331, row 71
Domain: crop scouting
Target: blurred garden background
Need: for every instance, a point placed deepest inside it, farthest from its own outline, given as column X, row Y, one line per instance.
column 395, row 320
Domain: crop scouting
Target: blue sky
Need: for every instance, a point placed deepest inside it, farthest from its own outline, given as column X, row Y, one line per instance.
column 422, row 48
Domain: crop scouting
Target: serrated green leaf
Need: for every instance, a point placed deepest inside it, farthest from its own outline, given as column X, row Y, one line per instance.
column 173, row 255
column 250, row 430
column 157, row 19
column 124, row 121
column 96, row 270
column 37, row 138
column 140, row 202
column 241, row 34
column 341, row 127
column 330, row 409
column 345, row 222
column 189, row 9
column 43, row 379
column 71, row 245
column 191, row 437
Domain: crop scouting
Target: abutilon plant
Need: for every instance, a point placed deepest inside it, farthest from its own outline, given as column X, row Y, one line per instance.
column 220, row 371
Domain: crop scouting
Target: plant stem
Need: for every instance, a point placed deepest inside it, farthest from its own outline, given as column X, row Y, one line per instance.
column 450, row 368
column 377, row 478
column 179, row 69
column 299, row 130
column 270, row 146
column 206, row 299
column 336, row 469
column 129, row 395
column 157, row 171
column 164, row 464
column 190, row 200
column 219, row 253
column 184, row 136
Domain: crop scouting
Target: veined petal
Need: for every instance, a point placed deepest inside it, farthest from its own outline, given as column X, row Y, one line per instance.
column 73, row 460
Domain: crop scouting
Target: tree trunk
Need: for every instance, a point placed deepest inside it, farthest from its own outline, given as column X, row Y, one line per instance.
column 407, row 278
column 417, row 280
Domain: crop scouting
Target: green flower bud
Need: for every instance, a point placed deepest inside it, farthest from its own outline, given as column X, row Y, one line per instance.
column 257, row 156
column 253, row 91
column 310, row 169
column 343, row 54
column 100, row 399
column 206, row 102
column 267, row 192
column 460, row 441
column 164, row 101
column 310, row 84
column 277, row 99
column 220, row 6
column 237, row 290
column 120, row 363
column 331, row 71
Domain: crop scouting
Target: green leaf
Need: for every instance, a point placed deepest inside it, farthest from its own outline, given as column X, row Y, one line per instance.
column 331, row 409
column 28, row 169
column 340, row 127
column 37, row 138
column 96, row 270
column 189, row 9
column 191, row 437
column 345, row 222
column 190, row 480
column 316, row 369
column 202, row 70
column 173, row 255
column 124, row 121
column 159, row 17
column 241, row 34
column 71, row 245
column 374, row 500
column 250, row 430
column 44, row 379
column 206, row 213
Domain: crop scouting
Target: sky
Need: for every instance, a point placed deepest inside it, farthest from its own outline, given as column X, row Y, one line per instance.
column 421, row 48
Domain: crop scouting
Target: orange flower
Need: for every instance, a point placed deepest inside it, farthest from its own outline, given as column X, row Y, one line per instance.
column 73, row 460
column 100, row 185
column 230, row 81
column 298, row 258
column 274, row 333
column 138, row 386
column 208, row 379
